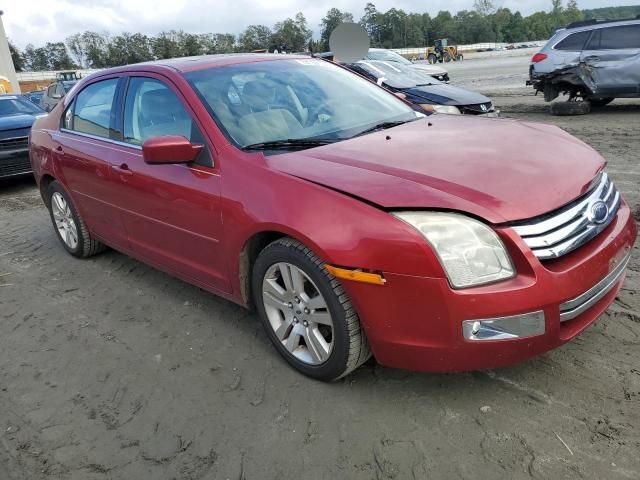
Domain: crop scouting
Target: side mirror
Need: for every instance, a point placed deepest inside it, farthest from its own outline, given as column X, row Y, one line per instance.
column 169, row 149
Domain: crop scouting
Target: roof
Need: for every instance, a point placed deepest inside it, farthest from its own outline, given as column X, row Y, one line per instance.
column 597, row 22
column 188, row 64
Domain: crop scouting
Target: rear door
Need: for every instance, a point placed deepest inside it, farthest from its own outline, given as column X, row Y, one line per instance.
column 612, row 61
column 86, row 149
column 171, row 212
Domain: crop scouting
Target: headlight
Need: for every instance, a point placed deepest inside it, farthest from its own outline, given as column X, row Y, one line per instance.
column 449, row 109
column 470, row 252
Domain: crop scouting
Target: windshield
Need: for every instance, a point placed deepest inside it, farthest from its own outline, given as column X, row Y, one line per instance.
column 66, row 85
column 387, row 56
column 270, row 101
column 394, row 74
column 17, row 106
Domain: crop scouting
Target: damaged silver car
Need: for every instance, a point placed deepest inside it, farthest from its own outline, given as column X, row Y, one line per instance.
column 593, row 62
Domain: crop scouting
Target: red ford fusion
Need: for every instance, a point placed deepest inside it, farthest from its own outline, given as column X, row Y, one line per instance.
column 354, row 225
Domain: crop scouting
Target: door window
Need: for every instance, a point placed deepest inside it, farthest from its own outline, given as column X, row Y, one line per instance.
column 152, row 109
column 573, row 42
column 615, row 38
column 92, row 108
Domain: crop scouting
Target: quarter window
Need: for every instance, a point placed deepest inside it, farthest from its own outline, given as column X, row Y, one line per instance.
column 573, row 42
column 92, row 108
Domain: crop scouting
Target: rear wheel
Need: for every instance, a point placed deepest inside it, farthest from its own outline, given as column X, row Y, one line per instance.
column 432, row 58
column 69, row 226
column 306, row 313
column 447, row 57
column 575, row 107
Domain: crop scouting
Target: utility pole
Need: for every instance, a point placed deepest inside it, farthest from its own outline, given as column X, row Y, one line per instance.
column 6, row 63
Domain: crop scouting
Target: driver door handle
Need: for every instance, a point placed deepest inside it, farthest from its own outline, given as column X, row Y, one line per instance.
column 122, row 169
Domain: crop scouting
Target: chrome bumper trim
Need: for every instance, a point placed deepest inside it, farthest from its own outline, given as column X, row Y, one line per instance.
column 524, row 325
column 571, row 309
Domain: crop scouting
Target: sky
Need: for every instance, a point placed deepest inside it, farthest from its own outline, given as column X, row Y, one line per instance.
column 41, row 21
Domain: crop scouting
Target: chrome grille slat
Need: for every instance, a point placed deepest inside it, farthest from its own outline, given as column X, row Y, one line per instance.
column 572, row 308
column 16, row 143
column 566, row 229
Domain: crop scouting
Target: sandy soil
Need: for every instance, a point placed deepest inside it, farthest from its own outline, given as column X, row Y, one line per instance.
column 110, row 369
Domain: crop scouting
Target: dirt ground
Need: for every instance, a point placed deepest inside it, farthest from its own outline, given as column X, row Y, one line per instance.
column 110, row 369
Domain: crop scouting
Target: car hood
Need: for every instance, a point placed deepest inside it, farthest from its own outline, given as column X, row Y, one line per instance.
column 444, row 95
column 430, row 69
column 14, row 122
column 497, row 169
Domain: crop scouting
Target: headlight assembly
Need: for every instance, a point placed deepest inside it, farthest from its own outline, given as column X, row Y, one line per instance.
column 448, row 109
column 470, row 252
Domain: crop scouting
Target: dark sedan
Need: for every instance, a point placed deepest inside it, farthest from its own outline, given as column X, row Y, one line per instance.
column 17, row 114
column 423, row 90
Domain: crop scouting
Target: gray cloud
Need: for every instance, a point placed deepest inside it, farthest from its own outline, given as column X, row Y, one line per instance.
column 65, row 17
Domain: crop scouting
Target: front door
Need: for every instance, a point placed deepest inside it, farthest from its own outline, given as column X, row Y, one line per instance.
column 612, row 60
column 171, row 212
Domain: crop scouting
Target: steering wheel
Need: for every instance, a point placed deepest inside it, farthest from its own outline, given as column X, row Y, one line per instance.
column 319, row 114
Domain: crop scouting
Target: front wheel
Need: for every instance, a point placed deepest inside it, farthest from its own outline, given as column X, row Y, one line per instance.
column 432, row 58
column 306, row 313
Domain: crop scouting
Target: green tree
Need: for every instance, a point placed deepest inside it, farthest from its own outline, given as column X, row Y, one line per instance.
column 291, row 35
column 484, row 7
column 16, row 57
column 331, row 20
column 255, row 37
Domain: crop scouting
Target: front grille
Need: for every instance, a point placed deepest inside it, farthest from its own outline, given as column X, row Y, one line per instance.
column 17, row 143
column 478, row 109
column 571, row 309
column 15, row 165
column 562, row 231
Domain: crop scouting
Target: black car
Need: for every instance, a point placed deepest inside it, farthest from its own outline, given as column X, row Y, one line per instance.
column 423, row 90
column 34, row 97
column 55, row 92
column 17, row 114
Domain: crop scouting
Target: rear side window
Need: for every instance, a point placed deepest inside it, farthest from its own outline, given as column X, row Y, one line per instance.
column 92, row 108
column 573, row 42
column 615, row 38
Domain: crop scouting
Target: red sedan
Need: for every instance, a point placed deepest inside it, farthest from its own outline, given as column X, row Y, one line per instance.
column 352, row 224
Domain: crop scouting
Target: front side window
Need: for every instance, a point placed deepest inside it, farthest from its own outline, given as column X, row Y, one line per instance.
column 152, row 109
column 573, row 42
column 92, row 108
column 296, row 99
column 624, row 37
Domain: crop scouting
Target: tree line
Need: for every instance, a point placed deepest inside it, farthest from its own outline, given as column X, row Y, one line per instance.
column 394, row 28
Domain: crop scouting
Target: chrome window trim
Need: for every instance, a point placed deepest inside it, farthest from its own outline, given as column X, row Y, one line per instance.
column 103, row 139
column 572, row 308
column 566, row 229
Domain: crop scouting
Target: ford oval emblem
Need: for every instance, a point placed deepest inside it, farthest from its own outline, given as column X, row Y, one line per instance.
column 598, row 212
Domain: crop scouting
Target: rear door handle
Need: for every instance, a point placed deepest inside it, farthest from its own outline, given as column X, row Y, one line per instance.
column 122, row 169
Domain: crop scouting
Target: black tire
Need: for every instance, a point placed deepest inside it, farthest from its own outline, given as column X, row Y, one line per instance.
column 570, row 108
column 600, row 102
column 350, row 346
column 432, row 58
column 460, row 57
column 87, row 245
column 447, row 57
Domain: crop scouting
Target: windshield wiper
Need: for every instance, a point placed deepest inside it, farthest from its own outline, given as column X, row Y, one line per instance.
column 383, row 126
column 288, row 143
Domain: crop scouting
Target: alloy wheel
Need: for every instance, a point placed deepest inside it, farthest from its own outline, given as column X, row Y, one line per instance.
column 298, row 313
column 64, row 221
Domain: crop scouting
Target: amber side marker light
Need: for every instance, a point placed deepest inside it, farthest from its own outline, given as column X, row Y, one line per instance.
column 355, row 275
